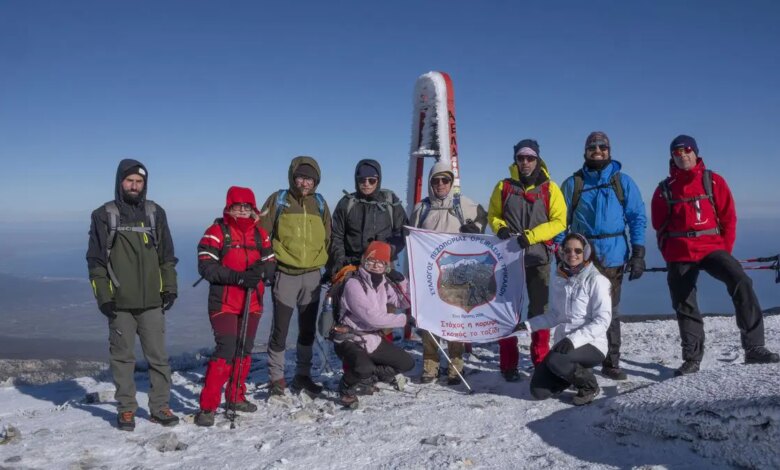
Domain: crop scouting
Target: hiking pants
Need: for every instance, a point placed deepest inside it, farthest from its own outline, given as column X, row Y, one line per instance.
column 558, row 371
column 537, row 280
column 722, row 266
column 361, row 365
column 227, row 328
column 431, row 355
column 615, row 276
column 291, row 291
column 149, row 325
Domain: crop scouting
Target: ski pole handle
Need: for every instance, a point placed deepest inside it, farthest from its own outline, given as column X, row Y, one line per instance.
column 656, row 270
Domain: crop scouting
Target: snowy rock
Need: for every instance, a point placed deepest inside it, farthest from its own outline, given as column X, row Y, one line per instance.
column 43, row 432
column 441, row 440
column 104, row 396
column 167, row 442
column 305, row 399
column 10, row 435
column 263, row 446
column 302, row 416
column 14, row 459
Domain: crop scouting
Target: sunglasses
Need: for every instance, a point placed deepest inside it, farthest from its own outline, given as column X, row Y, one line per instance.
column 594, row 147
column 680, row 151
column 525, row 158
column 241, row 206
column 568, row 251
column 441, row 180
column 370, row 180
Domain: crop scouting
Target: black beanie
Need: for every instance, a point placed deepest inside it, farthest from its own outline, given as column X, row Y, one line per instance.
column 684, row 141
column 530, row 143
column 307, row 171
column 135, row 170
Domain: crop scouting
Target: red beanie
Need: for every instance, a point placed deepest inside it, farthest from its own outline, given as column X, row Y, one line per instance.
column 379, row 251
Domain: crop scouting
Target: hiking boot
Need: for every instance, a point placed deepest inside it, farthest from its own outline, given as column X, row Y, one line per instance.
column 205, row 418
column 125, row 421
column 165, row 417
column 452, row 381
column 614, row 373
column 585, row 396
column 347, row 395
column 305, row 383
column 760, row 355
column 365, row 387
column 399, row 382
column 688, row 367
column 511, row 375
column 427, row 379
column 243, row 406
column 277, row 388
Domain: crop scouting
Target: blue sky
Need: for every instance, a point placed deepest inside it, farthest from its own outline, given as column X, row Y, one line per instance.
column 211, row 94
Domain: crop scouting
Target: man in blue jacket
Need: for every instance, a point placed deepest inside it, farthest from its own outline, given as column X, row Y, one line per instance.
column 602, row 202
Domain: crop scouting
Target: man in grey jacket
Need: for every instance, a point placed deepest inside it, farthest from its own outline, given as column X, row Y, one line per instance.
column 445, row 210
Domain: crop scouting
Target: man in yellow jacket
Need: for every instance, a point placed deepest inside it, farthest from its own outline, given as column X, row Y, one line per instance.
column 530, row 206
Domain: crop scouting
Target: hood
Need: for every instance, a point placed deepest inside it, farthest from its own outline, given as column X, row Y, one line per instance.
column 294, row 164
column 375, row 164
column 544, row 175
column 123, row 166
column 235, row 195
column 439, row 167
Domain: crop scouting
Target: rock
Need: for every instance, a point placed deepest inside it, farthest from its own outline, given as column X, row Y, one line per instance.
column 441, row 440
column 305, row 399
column 263, row 446
column 104, row 396
column 43, row 432
column 11, row 434
column 167, row 442
column 302, row 416
column 15, row 458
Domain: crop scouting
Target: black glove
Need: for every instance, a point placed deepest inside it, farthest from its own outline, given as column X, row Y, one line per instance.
column 503, row 233
column 522, row 240
column 168, row 298
column 470, row 227
column 267, row 270
column 248, row 279
column 108, row 309
column 563, row 347
column 636, row 265
column 395, row 276
column 521, row 326
column 411, row 321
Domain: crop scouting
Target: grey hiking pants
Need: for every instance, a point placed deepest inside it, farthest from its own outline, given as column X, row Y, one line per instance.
column 291, row 291
column 149, row 325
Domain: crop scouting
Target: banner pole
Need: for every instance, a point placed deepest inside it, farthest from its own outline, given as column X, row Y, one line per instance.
column 450, row 361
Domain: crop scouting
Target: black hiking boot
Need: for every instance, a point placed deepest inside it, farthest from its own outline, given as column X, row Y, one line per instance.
column 688, row 367
column 760, row 355
column 302, row 383
column 585, row 395
column 511, row 375
column 277, row 388
column 348, row 395
column 427, row 379
column 204, row 418
column 614, row 373
column 165, row 417
column 125, row 421
column 243, row 406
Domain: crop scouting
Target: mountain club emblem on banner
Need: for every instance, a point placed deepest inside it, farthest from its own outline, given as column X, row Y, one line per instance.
column 466, row 280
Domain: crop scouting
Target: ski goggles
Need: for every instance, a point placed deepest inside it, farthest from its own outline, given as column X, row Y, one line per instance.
column 441, row 180
column 241, row 206
column 599, row 144
column 371, row 180
column 569, row 251
column 680, row 151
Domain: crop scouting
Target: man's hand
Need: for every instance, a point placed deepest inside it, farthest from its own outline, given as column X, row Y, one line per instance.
column 636, row 264
column 395, row 276
column 168, row 298
column 470, row 227
column 108, row 309
column 503, row 233
column 522, row 240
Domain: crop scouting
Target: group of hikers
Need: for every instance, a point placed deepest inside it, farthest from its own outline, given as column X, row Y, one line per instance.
column 593, row 224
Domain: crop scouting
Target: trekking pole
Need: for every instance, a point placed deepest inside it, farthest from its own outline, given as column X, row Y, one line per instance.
column 235, row 376
column 765, row 259
column 773, row 267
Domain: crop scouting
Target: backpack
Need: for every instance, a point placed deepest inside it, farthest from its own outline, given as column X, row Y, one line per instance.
column 384, row 202
column 281, row 203
column 666, row 192
column 115, row 225
column 330, row 314
column 511, row 187
column 227, row 239
column 426, row 209
column 579, row 185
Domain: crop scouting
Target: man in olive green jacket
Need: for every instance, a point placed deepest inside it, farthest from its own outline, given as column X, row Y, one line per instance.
column 132, row 271
column 299, row 222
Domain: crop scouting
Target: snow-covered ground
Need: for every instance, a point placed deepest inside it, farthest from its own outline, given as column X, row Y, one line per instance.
column 726, row 415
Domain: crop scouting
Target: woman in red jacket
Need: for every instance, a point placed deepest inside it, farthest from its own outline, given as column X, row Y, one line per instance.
column 234, row 255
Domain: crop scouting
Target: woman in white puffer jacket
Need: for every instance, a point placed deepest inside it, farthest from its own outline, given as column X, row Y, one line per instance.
column 580, row 311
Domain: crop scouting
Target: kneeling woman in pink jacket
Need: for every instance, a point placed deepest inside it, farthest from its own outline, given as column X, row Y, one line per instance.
column 364, row 303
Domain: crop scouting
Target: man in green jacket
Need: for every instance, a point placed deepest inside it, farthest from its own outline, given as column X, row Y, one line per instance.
column 299, row 222
column 132, row 269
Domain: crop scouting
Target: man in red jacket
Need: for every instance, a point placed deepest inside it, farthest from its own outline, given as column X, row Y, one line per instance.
column 234, row 255
column 695, row 220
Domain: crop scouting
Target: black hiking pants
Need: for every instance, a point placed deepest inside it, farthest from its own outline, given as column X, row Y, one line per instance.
column 682, row 277
column 558, row 371
column 615, row 276
column 362, row 365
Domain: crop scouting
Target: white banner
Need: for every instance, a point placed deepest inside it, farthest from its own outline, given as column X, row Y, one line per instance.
column 465, row 287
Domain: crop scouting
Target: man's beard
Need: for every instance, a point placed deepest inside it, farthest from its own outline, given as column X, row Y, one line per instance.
column 597, row 165
column 131, row 198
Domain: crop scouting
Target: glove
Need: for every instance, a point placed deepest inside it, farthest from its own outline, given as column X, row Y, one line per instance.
column 521, row 326
column 522, row 240
column 636, row 265
column 563, row 347
column 168, row 298
column 411, row 321
column 395, row 276
column 108, row 309
column 470, row 227
column 248, row 279
column 267, row 270
column 503, row 233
